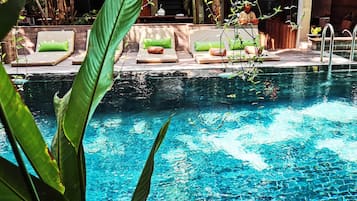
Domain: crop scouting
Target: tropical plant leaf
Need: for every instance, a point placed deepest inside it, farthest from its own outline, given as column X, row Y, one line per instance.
column 143, row 187
column 94, row 79
column 13, row 187
column 71, row 164
column 95, row 76
column 9, row 13
column 22, row 126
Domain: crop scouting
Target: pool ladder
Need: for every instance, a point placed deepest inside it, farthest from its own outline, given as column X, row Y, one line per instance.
column 352, row 53
column 332, row 36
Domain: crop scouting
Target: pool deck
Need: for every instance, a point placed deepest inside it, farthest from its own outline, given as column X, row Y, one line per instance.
column 127, row 63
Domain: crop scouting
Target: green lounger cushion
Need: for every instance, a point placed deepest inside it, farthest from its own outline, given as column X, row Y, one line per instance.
column 165, row 42
column 206, row 45
column 53, row 46
column 237, row 44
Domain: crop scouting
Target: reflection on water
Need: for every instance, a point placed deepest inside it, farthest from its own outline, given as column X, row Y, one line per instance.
column 141, row 91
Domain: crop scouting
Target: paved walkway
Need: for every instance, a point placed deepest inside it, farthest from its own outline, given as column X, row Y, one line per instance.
column 289, row 58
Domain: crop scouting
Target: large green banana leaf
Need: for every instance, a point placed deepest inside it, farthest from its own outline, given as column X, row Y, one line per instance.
column 93, row 80
column 143, row 187
column 73, row 169
column 95, row 77
column 9, row 13
column 71, row 163
column 19, row 120
column 21, row 124
column 12, row 186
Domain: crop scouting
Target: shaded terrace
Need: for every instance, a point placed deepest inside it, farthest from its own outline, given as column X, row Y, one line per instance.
column 289, row 57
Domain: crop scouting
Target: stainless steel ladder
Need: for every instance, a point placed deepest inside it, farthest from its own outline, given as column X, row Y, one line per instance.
column 352, row 53
column 332, row 37
column 353, row 43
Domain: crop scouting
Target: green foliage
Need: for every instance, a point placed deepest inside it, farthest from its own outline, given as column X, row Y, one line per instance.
column 13, row 111
column 9, row 12
column 12, row 181
column 61, row 170
column 250, row 71
column 87, row 18
column 143, row 188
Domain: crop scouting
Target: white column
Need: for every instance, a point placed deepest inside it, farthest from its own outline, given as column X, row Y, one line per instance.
column 303, row 20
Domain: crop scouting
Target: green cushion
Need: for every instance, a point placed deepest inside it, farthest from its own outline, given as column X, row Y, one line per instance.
column 205, row 46
column 236, row 44
column 53, row 46
column 165, row 42
column 249, row 43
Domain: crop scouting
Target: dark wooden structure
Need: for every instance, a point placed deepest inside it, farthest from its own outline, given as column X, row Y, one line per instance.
column 280, row 35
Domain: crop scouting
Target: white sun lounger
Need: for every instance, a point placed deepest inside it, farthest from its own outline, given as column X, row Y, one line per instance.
column 47, row 58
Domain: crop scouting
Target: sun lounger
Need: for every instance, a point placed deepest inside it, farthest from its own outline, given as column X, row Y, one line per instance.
column 246, row 36
column 226, row 38
column 157, row 37
column 200, row 41
column 79, row 58
column 52, row 47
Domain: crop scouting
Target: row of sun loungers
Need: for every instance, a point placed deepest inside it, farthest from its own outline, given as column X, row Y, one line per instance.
column 156, row 45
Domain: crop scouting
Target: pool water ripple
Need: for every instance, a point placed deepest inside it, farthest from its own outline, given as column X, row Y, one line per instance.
column 300, row 146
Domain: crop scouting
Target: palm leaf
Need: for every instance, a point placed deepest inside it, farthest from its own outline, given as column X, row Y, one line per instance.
column 143, row 187
column 9, row 13
column 22, row 126
column 95, row 77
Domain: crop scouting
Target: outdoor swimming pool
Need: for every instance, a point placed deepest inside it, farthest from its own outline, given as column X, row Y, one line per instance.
column 291, row 137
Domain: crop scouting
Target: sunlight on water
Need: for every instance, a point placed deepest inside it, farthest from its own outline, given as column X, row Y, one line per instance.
column 95, row 123
column 139, row 127
column 189, row 141
column 210, row 118
column 2, row 140
column 332, row 111
column 345, row 150
column 178, row 160
column 285, row 125
column 231, row 146
column 300, row 146
column 103, row 143
column 113, row 122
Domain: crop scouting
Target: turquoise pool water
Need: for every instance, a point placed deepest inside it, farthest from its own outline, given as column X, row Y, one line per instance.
column 292, row 137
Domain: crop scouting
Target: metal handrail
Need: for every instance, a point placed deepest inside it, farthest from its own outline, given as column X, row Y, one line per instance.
column 347, row 31
column 353, row 43
column 352, row 54
column 328, row 25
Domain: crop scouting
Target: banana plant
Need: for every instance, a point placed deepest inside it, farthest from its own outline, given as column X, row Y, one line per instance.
column 60, row 171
